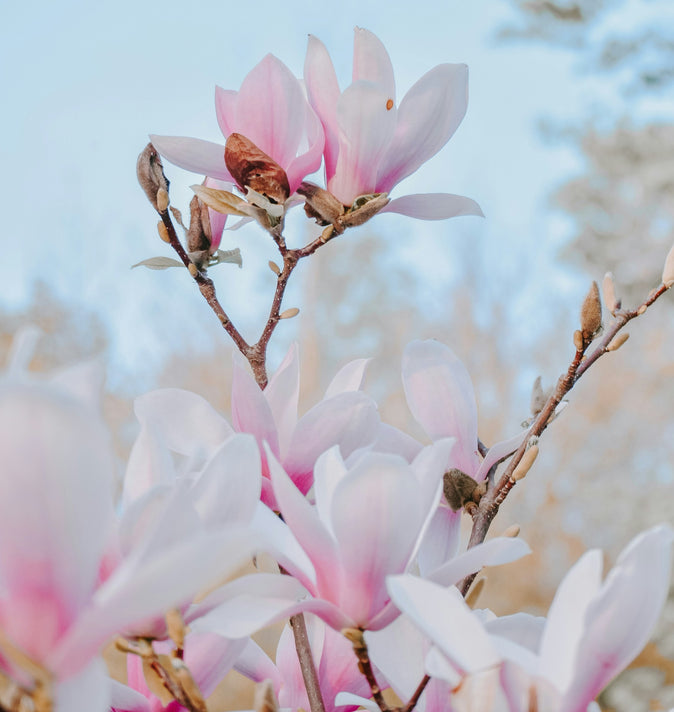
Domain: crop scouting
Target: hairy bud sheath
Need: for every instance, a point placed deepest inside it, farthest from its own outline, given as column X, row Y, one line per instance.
column 199, row 231
column 590, row 314
column 150, row 174
column 611, row 302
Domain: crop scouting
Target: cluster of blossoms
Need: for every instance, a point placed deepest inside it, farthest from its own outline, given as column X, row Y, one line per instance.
column 359, row 519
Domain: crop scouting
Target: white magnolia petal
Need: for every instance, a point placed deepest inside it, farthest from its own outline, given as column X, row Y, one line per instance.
column 256, row 665
column 348, row 378
column 497, row 551
column 443, row 616
column 566, row 618
column 228, row 488
column 282, row 394
column 433, row 206
column 371, row 62
column 194, row 155
column 428, row 116
column 88, row 691
column 210, row 657
column 188, row 422
column 440, row 542
column 524, row 629
column 344, row 699
column 126, row 699
column 498, row 452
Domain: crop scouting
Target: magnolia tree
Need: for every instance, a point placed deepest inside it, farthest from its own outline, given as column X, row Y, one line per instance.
column 360, row 520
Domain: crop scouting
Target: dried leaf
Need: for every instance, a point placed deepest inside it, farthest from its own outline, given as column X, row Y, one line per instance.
column 158, row 263
column 227, row 256
column 320, row 204
column 222, row 201
column 253, row 168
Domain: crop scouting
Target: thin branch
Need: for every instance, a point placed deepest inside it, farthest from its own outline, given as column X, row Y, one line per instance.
column 309, row 675
column 355, row 635
column 417, row 694
column 492, row 500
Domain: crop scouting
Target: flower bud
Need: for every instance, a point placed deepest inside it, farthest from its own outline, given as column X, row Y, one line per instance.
column 289, row 313
column 590, row 314
column 151, row 176
column 578, row 340
column 538, row 397
column 525, row 464
column 668, row 270
column 611, row 302
column 274, row 268
column 458, row 488
column 617, row 341
column 320, row 204
column 199, row 231
column 253, row 168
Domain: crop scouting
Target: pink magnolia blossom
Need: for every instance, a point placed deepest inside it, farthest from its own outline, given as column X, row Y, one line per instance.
column 271, row 110
column 56, row 517
column 593, row 631
column 371, row 143
column 193, row 429
column 441, row 397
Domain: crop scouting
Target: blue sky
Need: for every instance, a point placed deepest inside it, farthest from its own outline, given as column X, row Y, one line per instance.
column 84, row 83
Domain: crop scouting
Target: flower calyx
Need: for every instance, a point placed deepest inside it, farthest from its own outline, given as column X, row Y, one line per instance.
column 462, row 491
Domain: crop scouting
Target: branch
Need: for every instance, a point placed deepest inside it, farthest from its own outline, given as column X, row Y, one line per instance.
column 492, row 500
column 309, row 675
column 355, row 635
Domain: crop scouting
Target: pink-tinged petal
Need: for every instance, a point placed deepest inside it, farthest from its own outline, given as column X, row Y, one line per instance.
column 347, row 699
column 250, row 411
column 566, row 618
column 330, row 470
column 440, row 542
column 189, row 424
column 228, row 488
column 366, row 126
column 210, row 657
column 193, row 155
column 396, row 442
column 428, row 467
column 56, row 485
column 443, row 616
column 371, row 62
column 305, row 524
column 377, row 515
column 323, row 91
column 135, row 593
column 428, row 116
column 292, row 693
column 150, row 464
column 521, row 628
column 88, row 691
column 256, row 665
column 433, row 206
column 439, row 668
column 256, row 601
column 282, row 394
column 498, row 452
column 440, row 395
column 399, row 651
column 309, row 160
column 277, row 129
column 283, row 546
column 217, row 220
column 125, row 699
column 348, row 378
column 349, row 420
column 225, row 110
column 620, row 619
column 501, row 550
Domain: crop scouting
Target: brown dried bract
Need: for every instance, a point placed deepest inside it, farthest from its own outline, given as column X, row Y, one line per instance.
column 199, row 231
column 150, row 173
column 253, row 168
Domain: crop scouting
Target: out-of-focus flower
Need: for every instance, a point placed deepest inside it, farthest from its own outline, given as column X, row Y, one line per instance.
column 56, row 518
column 270, row 110
column 593, row 631
column 371, row 143
column 193, row 429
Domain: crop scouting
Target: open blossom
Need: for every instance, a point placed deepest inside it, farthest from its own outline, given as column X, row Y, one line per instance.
column 270, row 110
column 594, row 629
column 371, row 142
column 193, row 429
column 56, row 518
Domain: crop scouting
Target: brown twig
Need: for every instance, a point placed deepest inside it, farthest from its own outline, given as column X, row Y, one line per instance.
column 309, row 675
column 355, row 635
column 582, row 361
column 417, row 694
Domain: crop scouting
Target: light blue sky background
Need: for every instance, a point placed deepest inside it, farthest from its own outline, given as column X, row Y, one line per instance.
column 84, row 83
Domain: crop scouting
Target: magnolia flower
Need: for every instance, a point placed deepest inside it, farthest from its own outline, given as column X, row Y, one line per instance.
column 192, row 428
column 441, row 397
column 371, row 143
column 365, row 526
column 270, row 110
column 593, row 631
column 56, row 517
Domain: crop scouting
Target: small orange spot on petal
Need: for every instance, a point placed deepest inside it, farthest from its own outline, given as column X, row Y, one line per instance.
column 389, row 105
